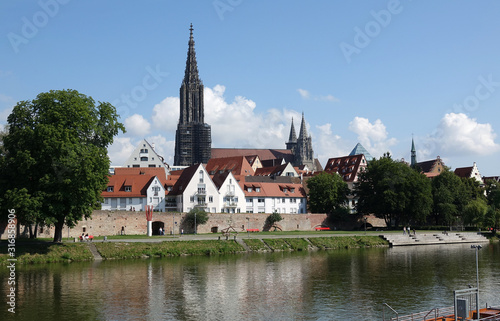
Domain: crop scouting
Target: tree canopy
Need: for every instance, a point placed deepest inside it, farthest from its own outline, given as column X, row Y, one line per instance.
column 56, row 160
column 327, row 193
column 393, row 191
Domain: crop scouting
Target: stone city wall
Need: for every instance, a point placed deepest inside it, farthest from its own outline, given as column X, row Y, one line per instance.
column 132, row 223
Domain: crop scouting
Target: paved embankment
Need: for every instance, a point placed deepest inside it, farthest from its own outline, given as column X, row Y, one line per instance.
column 434, row 238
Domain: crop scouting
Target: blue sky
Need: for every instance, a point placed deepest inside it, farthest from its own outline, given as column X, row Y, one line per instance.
column 375, row 72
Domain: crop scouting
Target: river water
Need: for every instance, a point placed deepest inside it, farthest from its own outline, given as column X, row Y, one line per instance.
column 323, row 285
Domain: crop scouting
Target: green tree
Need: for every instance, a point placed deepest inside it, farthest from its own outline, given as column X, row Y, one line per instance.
column 56, row 150
column 272, row 219
column 450, row 197
column 393, row 191
column 327, row 193
column 492, row 216
column 197, row 215
column 474, row 212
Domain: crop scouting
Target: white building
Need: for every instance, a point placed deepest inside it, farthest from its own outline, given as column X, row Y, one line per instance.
column 145, row 155
column 131, row 189
column 282, row 198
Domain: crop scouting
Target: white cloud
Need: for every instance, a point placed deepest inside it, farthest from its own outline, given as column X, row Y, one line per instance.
column 163, row 147
column 303, row 93
column 327, row 145
column 372, row 136
column 136, row 125
column 457, row 134
column 166, row 114
column 120, row 150
column 236, row 124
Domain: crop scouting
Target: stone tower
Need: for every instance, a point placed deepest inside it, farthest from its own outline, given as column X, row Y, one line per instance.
column 193, row 136
column 301, row 147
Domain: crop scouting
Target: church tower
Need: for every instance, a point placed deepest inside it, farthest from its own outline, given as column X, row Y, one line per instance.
column 193, row 136
column 413, row 154
column 302, row 146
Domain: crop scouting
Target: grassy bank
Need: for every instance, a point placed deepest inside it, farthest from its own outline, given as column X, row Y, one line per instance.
column 29, row 252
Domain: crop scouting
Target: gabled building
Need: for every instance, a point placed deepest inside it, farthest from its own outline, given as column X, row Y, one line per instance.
column 194, row 188
column 132, row 189
column 145, row 155
column 469, row 172
column 349, row 168
column 285, row 198
column 232, row 198
column 431, row 168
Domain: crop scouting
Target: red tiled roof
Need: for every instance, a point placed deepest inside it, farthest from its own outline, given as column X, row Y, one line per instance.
column 238, row 165
column 270, row 171
column 263, row 154
column 273, row 189
column 347, row 167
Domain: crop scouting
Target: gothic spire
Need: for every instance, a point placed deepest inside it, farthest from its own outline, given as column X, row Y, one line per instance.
column 303, row 130
column 293, row 137
column 191, row 74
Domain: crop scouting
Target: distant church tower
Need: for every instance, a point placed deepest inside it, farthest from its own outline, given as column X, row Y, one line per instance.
column 302, row 146
column 413, row 154
column 193, row 137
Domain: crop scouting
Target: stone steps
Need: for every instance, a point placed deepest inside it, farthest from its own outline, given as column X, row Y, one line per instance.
column 436, row 238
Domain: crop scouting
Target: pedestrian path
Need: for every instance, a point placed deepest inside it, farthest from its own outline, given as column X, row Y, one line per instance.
column 433, row 238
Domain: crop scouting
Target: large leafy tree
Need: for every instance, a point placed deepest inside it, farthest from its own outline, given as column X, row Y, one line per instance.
column 394, row 191
column 450, row 197
column 327, row 193
column 56, row 156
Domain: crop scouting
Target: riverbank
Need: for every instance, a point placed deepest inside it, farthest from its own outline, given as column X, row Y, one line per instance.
column 32, row 252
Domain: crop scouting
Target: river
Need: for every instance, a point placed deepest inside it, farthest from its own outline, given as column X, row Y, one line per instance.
column 323, row 285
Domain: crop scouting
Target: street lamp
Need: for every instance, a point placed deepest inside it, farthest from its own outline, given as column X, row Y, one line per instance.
column 477, row 248
column 365, row 224
column 194, row 222
column 248, row 226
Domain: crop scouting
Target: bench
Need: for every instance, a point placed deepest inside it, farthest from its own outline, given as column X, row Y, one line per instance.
column 322, row 228
column 252, row 230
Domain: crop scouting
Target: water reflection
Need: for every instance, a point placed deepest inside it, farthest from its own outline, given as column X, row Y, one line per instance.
column 333, row 285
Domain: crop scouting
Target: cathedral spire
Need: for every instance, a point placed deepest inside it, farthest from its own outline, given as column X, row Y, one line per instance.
column 191, row 74
column 303, row 130
column 293, row 137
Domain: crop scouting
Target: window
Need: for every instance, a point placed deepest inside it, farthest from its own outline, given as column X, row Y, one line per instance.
column 249, row 210
column 135, row 165
column 130, row 200
column 260, row 200
column 191, row 199
column 249, row 200
column 211, row 199
column 106, row 200
column 292, row 190
column 257, row 189
column 285, row 190
column 144, row 159
column 201, row 176
column 249, row 189
column 110, row 189
column 151, row 165
column 283, row 200
column 293, row 200
column 236, row 199
column 128, row 188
